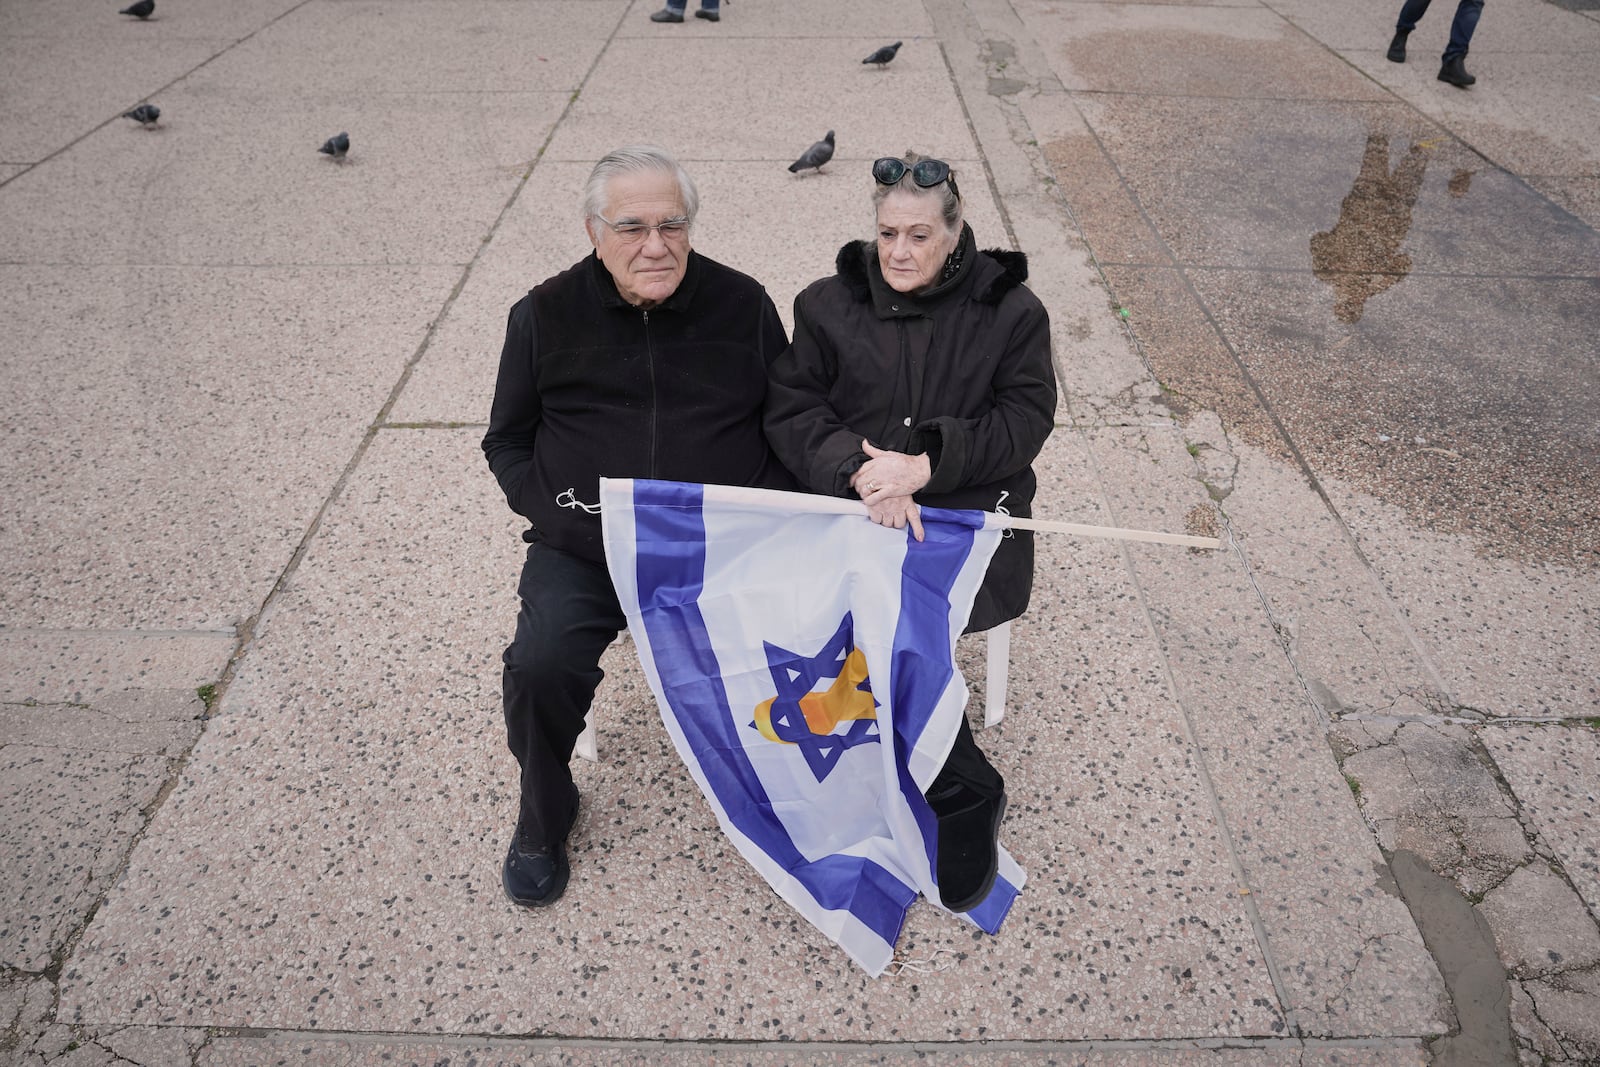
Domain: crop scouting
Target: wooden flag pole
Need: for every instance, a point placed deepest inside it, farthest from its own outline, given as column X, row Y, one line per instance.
column 1113, row 532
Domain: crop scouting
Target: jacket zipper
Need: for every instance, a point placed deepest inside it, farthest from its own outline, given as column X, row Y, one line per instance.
column 650, row 361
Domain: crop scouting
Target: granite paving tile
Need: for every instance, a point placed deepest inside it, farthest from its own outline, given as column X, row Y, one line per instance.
column 1578, row 195
column 172, row 21
column 1191, row 51
column 67, row 817
column 53, row 666
column 1350, row 958
column 1101, row 204
column 366, row 48
column 1250, row 183
column 345, row 813
column 156, row 722
column 233, row 176
column 1553, row 770
column 171, row 432
column 58, row 88
column 793, row 91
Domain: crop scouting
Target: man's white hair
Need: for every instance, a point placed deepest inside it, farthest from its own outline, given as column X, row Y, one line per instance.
column 637, row 159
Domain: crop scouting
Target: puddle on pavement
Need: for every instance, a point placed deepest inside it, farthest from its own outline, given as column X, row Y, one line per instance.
column 1361, row 257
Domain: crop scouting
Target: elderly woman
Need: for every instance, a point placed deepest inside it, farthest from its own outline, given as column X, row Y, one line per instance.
column 920, row 374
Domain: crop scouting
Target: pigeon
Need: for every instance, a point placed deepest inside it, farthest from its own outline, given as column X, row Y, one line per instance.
column 882, row 56
column 140, row 10
column 144, row 113
column 336, row 146
column 814, row 157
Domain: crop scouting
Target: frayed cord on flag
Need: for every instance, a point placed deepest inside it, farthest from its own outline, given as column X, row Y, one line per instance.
column 569, row 499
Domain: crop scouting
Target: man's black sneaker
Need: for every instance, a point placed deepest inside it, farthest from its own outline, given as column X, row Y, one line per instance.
column 1397, row 47
column 535, row 877
column 1454, row 71
column 666, row 14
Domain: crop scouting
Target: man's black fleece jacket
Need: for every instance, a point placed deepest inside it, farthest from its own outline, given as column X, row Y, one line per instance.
column 592, row 386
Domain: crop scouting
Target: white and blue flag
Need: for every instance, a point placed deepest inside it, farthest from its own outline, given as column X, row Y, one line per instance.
column 802, row 659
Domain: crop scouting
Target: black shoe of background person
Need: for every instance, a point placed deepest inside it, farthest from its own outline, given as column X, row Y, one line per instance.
column 709, row 16
column 666, row 14
column 1397, row 47
column 968, row 857
column 1454, row 71
column 535, row 877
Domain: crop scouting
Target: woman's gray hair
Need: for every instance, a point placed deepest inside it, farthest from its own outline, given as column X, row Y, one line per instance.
column 949, row 202
column 637, row 159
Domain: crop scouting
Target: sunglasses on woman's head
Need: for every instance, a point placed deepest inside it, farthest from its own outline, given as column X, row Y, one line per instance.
column 925, row 172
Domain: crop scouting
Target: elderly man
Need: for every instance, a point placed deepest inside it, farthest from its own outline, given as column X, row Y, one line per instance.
column 644, row 360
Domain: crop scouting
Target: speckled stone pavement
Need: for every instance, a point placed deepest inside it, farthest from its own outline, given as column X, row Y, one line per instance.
column 1323, row 797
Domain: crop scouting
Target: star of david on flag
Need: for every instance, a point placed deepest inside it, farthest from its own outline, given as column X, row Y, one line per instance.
column 802, row 660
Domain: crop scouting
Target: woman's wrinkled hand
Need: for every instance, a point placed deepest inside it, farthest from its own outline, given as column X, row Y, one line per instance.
column 897, row 512
column 888, row 474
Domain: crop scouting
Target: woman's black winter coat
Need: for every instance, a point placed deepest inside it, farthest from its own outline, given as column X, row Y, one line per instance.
column 962, row 373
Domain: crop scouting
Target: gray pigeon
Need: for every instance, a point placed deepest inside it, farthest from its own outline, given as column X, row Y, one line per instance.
column 882, row 56
column 141, row 10
column 336, row 146
column 145, row 113
column 814, row 157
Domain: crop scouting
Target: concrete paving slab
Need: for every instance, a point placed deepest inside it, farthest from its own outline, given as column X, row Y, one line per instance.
column 52, row 666
column 66, row 819
column 160, row 722
column 1498, row 116
column 172, row 432
column 1161, row 49
column 755, row 217
column 1420, row 409
column 366, row 47
column 1102, row 205
column 1553, row 771
column 1426, row 790
column 1540, row 925
column 171, row 21
column 1516, row 26
column 1580, row 195
column 1347, row 639
column 1251, row 182
column 57, row 88
column 197, row 189
column 1350, row 958
column 359, row 774
column 1508, row 638
column 791, row 93
column 889, row 19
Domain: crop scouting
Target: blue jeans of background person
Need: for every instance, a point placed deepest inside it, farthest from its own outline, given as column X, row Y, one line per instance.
column 568, row 616
column 1461, row 28
column 705, row 5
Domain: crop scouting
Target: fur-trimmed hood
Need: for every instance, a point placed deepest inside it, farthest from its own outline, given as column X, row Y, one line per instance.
column 998, row 271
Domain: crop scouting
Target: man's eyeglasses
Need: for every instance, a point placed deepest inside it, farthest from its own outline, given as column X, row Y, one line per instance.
column 632, row 233
column 925, row 172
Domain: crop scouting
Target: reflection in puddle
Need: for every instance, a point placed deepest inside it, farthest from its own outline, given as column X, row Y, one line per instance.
column 1360, row 257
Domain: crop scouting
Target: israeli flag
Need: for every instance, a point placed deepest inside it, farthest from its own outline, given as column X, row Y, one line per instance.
column 801, row 657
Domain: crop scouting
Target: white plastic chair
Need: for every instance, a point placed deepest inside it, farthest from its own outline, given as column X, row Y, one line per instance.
column 996, row 671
